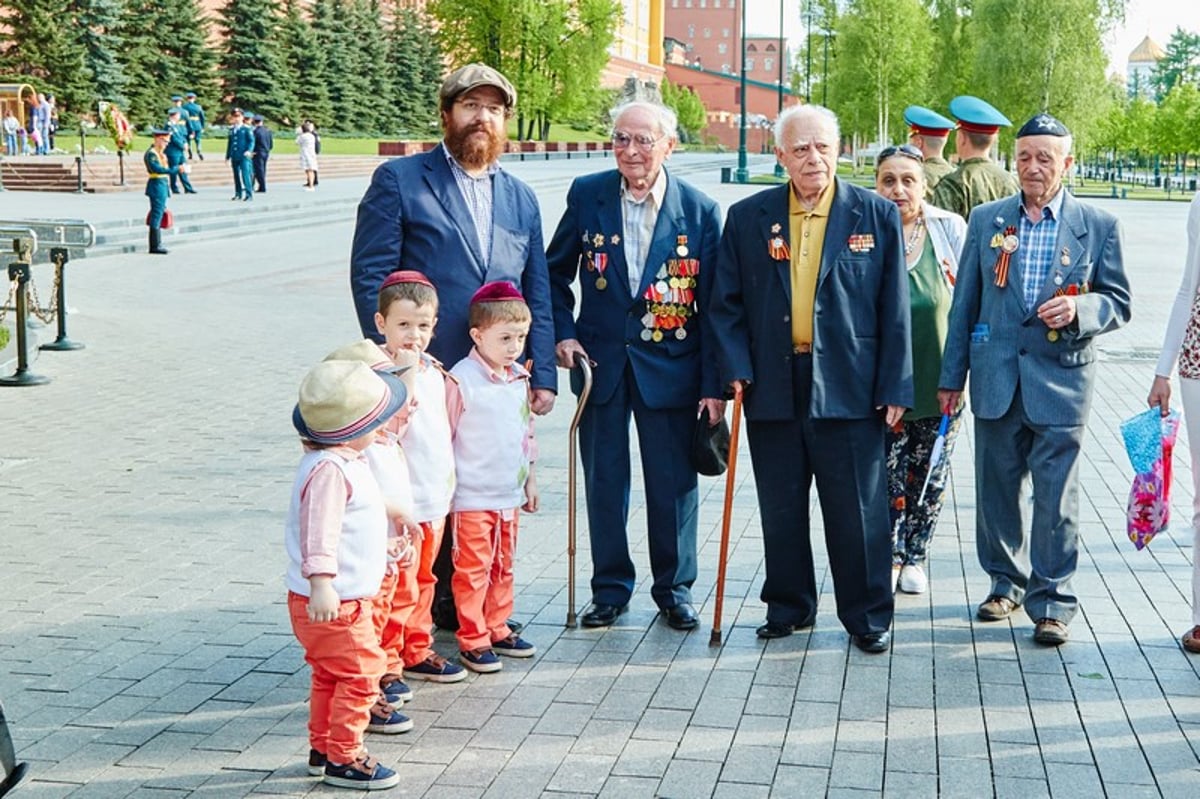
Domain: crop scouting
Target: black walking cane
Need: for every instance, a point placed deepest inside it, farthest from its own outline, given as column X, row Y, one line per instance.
column 585, row 367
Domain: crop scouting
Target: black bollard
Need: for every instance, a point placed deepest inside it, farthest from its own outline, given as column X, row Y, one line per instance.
column 121, row 165
column 20, row 273
column 61, row 344
column 79, row 174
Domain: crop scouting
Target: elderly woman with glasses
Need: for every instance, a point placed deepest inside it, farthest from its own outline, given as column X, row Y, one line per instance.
column 933, row 241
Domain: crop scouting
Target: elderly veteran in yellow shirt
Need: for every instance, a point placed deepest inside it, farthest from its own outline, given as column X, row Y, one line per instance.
column 810, row 312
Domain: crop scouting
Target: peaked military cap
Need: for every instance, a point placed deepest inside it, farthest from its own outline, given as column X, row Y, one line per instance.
column 926, row 121
column 189, row 94
column 1043, row 125
column 977, row 116
column 159, row 132
column 172, row 111
column 175, row 97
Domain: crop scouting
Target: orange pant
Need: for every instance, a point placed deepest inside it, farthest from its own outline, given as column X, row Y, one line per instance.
column 346, row 666
column 484, row 542
column 393, row 606
column 418, row 631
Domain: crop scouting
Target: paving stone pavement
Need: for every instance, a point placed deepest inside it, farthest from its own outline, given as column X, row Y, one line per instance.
column 145, row 649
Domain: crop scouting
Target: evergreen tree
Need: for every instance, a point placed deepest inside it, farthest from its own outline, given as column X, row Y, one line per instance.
column 39, row 46
column 371, row 52
column 414, row 60
column 1180, row 63
column 306, row 65
column 348, row 87
column 187, row 28
column 252, row 59
column 98, row 22
column 152, row 69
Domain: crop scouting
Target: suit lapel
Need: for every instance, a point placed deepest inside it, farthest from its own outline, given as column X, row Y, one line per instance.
column 444, row 186
column 774, row 212
column 608, row 213
column 844, row 215
column 1008, row 215
column 1072, row 240
column 667, row 228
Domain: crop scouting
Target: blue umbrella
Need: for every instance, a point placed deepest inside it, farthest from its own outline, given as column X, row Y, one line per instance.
column 936, row 454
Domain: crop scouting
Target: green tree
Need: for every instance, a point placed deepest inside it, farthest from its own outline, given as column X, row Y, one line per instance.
column 884, row 49
column 306, row 66
column 687, row 107
column 143, row 29
column 38, row 48
column 348, row 88
column 1180, row 63
column 98, row 22
column 415, row 62
column 813, row 58
column 1175, row 131
column 252, row 61
column 371, row 60
column 953, row 52
column 1057, row 67
column 186, row 31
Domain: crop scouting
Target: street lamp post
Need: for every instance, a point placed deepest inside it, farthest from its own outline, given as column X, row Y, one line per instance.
column 780, row 55
column 743, row 172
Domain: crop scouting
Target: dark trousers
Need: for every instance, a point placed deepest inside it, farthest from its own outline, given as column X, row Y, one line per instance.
column 672, row 497
column 260, row 172
column 846, row 456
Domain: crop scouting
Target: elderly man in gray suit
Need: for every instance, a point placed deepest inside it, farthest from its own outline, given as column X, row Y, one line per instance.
column 1041, row 276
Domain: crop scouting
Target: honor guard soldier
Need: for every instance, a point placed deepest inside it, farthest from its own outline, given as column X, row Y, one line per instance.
column 177, row 104
column 977, row 179
column 928, row 131
column 239, row 149
column 196, row 122
column 176, row 146
column 158, row 169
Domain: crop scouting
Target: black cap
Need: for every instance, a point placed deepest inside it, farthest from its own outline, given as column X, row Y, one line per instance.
column 1043, row 125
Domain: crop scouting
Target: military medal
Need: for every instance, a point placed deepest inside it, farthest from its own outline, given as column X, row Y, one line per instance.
column 598, row 240
column 1008, row 245
column 616, row 239
column 601, row 260
column 1052, row 336
column 681, row 246
column 1066, row 257
column 602, row 283
column 1058, row 278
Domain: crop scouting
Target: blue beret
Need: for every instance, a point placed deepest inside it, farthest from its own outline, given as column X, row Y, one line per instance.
column 977, row 116
column 927, row 121
column 1043, row 125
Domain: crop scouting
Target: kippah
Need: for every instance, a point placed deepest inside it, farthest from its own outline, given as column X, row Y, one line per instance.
column 497, row 291
column 1043, row 125
column 405, row 276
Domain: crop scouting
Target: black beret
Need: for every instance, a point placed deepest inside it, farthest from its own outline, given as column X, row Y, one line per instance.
column 1043, row 125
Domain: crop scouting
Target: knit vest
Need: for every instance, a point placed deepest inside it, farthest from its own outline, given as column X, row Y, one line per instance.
column 491, row 441
column 362, row 545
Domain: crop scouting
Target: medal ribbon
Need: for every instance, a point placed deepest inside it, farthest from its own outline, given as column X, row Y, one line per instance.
column 1002, row 262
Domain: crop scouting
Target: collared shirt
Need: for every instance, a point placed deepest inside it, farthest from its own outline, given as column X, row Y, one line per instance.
column 477, row 192
column 638, row 218
column 806, row 230
column 1037, row 247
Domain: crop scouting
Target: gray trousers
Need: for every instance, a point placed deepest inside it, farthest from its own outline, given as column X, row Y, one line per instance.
column 1033, row 568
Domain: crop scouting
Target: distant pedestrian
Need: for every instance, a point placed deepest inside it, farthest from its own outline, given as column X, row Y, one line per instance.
column 159, row 169
column 317, row 148
column 977, row 179
column 307, row 143
column 175, row 151
column 264, row 141
column 197, row 121
column 40, row 118
column 10, row 125
column 52, row 122
column 336, row 542
column 239, row 150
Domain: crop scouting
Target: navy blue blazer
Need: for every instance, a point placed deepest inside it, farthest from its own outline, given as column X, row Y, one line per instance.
column 673, row 372
column 413, row 216
column 240, row 141
column 862, row 348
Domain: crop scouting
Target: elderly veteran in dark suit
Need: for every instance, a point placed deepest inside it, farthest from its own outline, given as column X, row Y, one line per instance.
column 642, row 244
column 811, row 317
column 1040, row 277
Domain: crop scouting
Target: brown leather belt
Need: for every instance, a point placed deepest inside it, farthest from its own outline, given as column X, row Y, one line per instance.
column 801, row 349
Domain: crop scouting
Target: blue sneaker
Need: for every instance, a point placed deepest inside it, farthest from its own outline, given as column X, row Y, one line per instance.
column 387, row 720
column 435, row 668
column 481, row 661
column 397, row 692
column 514, row 646
column 364, row 774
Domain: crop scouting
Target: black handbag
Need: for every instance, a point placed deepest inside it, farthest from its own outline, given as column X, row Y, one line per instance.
column 709, row 453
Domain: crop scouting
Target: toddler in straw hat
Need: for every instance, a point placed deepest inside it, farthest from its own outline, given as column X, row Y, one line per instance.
column 336, row 542
column 488, row 406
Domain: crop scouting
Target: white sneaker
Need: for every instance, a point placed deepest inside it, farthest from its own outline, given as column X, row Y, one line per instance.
column 895, row 576
column 913, row 579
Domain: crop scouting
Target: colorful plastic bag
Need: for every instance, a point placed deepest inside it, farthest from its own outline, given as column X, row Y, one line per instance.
column 1149, row 441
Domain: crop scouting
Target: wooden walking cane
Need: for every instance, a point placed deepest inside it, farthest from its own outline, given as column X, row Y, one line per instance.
column 734, row 429
column 586, row 368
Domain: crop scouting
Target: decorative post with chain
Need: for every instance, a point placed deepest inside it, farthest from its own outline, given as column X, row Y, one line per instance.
column 18, row 276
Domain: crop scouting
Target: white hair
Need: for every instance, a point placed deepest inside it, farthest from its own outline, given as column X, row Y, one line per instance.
column 799, row 112
column 665, row 118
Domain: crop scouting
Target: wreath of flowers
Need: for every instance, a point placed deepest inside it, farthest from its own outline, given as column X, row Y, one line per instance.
column 117, row 125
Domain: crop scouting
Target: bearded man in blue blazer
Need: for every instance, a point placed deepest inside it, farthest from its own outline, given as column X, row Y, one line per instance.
column 1041, row 276
column 811, row 313
column 643, row 246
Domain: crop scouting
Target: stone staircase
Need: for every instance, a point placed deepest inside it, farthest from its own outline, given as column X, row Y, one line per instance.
column 101, row 173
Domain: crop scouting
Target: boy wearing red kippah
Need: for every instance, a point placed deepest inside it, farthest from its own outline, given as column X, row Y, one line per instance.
column 488, row 407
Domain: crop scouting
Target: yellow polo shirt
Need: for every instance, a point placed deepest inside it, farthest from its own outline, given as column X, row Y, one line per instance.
column 806, row 231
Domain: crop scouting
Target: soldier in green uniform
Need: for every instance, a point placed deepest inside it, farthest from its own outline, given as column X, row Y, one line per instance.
column 158, row 171
column 176, row 146
column 977, row 179
column 928, row 131
column 196, row 123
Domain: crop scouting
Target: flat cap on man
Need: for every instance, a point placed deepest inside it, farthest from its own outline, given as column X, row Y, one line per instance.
column 472, row 76
column 926, row 121
column 977, row 116
column 1043, row 125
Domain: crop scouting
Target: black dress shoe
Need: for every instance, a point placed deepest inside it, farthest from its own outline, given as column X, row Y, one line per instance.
column 781, row 629
column 873, row 642
column 682, row 617
column 602, row 615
